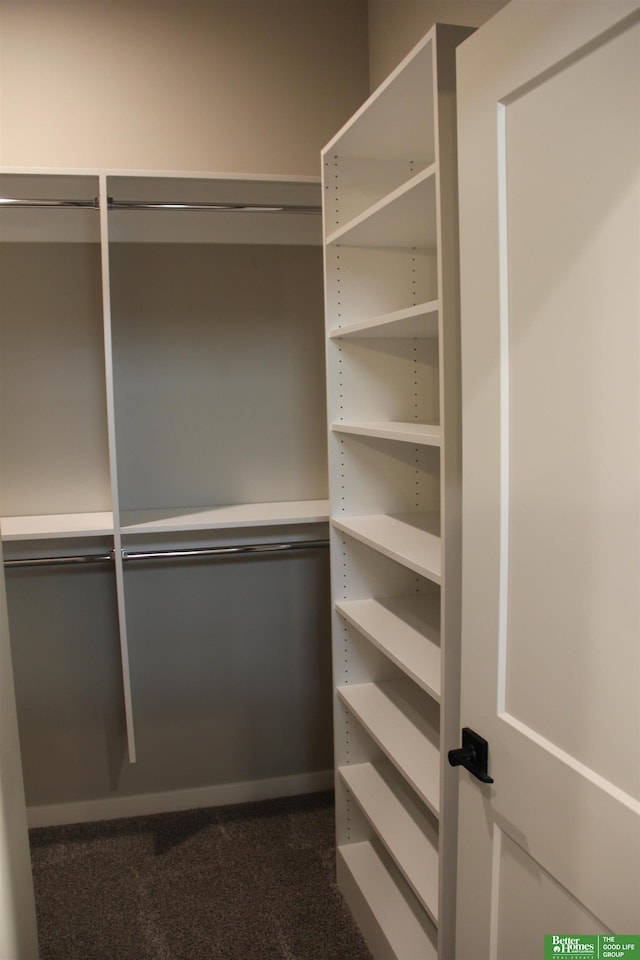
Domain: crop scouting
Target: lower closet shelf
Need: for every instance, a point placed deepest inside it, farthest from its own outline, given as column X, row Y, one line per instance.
column 379, row 905
column 57, row 526
column 407, row 732
column 405, row 831
column 175, row 520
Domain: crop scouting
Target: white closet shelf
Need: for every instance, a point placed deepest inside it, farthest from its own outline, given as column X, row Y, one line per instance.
column 362, row 872
column 56, row 526
column 235, row 515
column 390, row 712
column 420, row 320
column 427, row 434
column 413, row 539
column 407, row 834
column 406, row 630
column 194, row 210
column 382, row 130
column 392, row 221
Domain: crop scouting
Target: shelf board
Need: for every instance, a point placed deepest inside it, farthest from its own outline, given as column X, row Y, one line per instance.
column 363, row 875
column 406, row 630
column 392, row 221
column 57, row 526
column 402, row 729
column 409, row 837
column 180, row 224
column 411, row 539
column 420, row 320
column 380, row 128
column 427, row 434
column 235, row 515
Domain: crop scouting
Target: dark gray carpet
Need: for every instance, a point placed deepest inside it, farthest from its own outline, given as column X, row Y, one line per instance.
column 248, row 882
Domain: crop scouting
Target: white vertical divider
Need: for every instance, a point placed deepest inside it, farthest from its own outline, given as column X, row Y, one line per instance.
column 111, row 423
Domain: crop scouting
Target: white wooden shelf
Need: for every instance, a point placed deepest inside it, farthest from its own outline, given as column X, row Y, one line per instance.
column 392, row 222
column 57, row 526
column 397, row 120
column 234, row 515
column 406, row 630
column 404, row 730
column 427, row 434
column 407, row 834
column 365, row 876
column 420, row 320
column 181, row 224
column 412, row 539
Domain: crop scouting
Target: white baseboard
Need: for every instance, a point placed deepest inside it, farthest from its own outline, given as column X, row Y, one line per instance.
column 143, row 804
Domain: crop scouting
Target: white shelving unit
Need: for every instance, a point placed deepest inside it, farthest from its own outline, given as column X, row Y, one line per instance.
column 162, row 391
column 391, row 292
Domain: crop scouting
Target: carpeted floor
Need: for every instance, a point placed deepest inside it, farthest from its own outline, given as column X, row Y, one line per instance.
column 249, row 882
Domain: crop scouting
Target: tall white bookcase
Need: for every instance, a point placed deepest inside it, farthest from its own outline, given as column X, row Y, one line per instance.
column 391, row 290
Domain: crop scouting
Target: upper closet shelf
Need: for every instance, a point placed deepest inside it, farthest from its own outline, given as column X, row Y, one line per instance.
column 57, row 526
column 43, row 208
column 420, row 320
column 411, row 539
column 392, row 222
column 214, row 518
column 222, row 210
column 381, row 129
column 427, row 434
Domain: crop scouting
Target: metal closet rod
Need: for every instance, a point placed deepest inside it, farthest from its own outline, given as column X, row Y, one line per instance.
column 81, row 559
column 195, row 553
column 240, row 550
column 16, row 202
column 112, row 204
column 213, row 207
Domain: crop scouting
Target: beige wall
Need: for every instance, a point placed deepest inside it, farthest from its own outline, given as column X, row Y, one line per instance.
column 395, row 26
column 221, row 85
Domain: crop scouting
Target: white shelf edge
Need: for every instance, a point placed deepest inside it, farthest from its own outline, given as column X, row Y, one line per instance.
column 409, row 538
column 393, row 324
column 342, row 234
column 363, row 875
column 214, row 518
column 426, row 434
column 402, row 738
column 155, row 174
column 52, row 526
column 409, row 839
column 396, row 626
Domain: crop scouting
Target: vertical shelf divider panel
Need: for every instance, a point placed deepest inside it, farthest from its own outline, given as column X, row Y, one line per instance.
column 113, row 462
column 392, row 318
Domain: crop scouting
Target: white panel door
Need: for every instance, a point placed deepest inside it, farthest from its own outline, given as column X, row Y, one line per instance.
column 549, row 145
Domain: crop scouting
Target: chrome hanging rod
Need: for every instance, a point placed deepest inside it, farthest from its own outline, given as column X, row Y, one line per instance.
column 81, row 560
column 240, row 550
column 212, row 207
column 71, row 204
column 198, row 552
column 16, row 202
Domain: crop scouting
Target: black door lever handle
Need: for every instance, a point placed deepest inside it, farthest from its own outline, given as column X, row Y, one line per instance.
column 473, row 755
